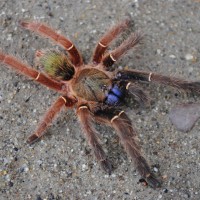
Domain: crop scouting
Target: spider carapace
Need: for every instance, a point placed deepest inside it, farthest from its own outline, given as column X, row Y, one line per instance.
column 92, row 85
column 94, row 90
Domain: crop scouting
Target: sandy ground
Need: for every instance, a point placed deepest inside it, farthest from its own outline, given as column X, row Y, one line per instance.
column 61, row 165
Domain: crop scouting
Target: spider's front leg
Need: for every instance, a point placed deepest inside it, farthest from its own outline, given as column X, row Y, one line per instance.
column 128, row 136
column 48, row 32
column 85, row 119
column 133, row 75
column 49, row 116
column 26, row 70
column 107, row 38
column 132, row 41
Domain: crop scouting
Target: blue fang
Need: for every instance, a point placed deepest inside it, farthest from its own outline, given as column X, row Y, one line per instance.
column 114, row 96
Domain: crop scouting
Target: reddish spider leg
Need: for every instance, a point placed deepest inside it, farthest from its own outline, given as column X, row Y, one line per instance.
column 128, row 136
column 84, row 116
column 133, row 75
column 133, row 40
column 49, row 116
column 107, row 38
column 31, row 73
column 46, row 31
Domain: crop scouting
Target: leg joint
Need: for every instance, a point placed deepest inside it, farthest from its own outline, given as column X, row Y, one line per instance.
column 116, row 116
column 71, row 47
column 112, row 58
column 128, row 84
column 102, row 45
column 82, row 107
column 38, row 76
column 64, row 99
column 150, row 75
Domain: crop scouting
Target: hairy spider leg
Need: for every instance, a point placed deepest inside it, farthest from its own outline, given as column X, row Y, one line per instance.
column 107, row 38
column 49, row 117
column 84, row 116
column 111, row 57
column 157, row 78
column 128, row 136
column 135, row 90
column 48, row 32
column 26, row 70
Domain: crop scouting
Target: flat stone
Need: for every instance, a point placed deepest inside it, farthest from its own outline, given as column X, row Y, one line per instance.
column 184, row 116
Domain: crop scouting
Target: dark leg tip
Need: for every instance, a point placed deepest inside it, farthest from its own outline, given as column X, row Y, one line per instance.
column 23, row 24
column 106, row 166
column 33, row 138
column 153, row 182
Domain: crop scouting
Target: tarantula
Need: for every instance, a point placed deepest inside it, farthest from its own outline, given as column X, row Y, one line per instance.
column 94, row 90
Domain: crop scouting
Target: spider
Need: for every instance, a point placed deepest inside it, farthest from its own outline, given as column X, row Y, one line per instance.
column 94, row 90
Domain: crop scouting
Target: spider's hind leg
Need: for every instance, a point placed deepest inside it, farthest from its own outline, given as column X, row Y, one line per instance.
column 128, row 136
column 135, row 91
column 49, row 116
column 85, row 119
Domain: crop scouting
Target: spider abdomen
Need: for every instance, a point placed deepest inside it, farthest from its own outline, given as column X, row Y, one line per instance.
column 92, row 85
column 55, row 64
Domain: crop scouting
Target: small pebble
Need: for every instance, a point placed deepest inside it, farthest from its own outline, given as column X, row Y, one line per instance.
column 4, row 172
column 164, row 177
column 10, row 183
column 155, row 169
column 84, row 167
column 165, row 190
column 158, row 51
column 172, row 56
column 24, row 168
column 113, row 175
column 189, row 57
column 15, row 148
column 9, row 37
